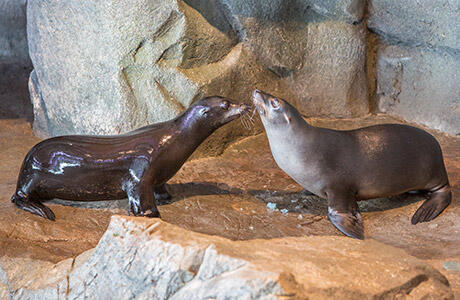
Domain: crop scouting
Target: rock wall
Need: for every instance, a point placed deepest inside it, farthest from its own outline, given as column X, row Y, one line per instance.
column 127, row 65
column 139, row 258
column 102, row 68
column 15, row 65
column 418, row 61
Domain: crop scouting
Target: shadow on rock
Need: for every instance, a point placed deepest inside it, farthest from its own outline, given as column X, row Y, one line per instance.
column 180, row 191
column 306, row 203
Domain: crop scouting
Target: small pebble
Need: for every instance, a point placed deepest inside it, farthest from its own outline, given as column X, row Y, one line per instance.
column 294, row 200
column 284, row 211
column 241, row 208
column 432, row 226
column 299, row 217
column 299, row 226
column 451, row 266
column 251, row 228
column 271, row 205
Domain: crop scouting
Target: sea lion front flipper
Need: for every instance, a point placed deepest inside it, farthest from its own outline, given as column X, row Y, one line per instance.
column 141, row 200
column 33, row 206
column 345, row 216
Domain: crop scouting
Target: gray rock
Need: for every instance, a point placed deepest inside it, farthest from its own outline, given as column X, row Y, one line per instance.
column 107, row 70
column 321, row 62
column 110, row 68
column 331, row 80
column 420, row 85
column 143, row 258
column 433, row 23
column 15, row 64
column 13, row 37
column 350, row 11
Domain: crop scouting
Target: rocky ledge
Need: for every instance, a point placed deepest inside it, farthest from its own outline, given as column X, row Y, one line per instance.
column 139, row 258
column 257, row 220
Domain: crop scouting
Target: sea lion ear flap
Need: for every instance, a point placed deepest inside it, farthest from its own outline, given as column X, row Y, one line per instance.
column 288, row 119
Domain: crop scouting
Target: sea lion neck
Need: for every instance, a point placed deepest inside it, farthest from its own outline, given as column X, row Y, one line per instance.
column 191, row 121
column 189, row 126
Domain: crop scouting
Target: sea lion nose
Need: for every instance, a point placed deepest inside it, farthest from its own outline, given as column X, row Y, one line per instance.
column 244, row 107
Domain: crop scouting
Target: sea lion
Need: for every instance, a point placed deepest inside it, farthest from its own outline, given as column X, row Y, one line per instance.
column 352, row 165
column 135, row 165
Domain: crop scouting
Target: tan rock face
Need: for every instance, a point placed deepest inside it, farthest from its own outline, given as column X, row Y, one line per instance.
column 153, row 259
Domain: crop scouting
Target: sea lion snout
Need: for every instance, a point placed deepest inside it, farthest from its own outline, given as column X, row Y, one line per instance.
column 259, row 101
column 244, row 108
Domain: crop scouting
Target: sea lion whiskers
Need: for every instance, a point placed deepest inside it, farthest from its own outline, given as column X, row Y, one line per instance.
column 246, row 120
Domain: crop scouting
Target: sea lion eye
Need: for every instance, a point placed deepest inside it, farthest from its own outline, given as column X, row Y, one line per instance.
column 225, row 105
column 275, row 103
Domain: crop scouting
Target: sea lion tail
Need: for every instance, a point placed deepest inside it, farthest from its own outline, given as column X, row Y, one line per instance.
column 33, row 206
column 433, row 206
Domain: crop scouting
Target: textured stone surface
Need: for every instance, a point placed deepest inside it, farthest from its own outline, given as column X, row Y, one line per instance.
column 420, row 85
column 93, row 85
column 418, row 61
column 310, row 48
column 15, row 64
column 332, row 81
column 350, row 11
column 433, row 23
column 148, row 258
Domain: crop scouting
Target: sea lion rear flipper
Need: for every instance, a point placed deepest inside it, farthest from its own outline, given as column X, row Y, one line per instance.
column 433, row 206
column 345, row 216
column 33, row 206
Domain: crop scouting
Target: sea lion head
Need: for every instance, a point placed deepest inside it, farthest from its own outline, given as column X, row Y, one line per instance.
column 273, row 111
column 216, row 111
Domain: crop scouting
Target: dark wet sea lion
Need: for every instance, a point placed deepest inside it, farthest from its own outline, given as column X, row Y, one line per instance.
column 353, row 165
column 135, row 165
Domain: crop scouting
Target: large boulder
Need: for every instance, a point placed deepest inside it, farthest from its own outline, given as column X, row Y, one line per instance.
column 146, row 258
column 15, row 64
column 420, row 85
column 90, row 59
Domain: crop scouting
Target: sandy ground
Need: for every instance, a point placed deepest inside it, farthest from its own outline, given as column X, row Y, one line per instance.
column 228, row 196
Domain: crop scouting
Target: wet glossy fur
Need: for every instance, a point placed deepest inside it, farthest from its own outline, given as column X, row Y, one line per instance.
column 135, row 165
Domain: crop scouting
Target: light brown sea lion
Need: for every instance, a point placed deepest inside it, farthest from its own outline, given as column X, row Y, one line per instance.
column 352, row 165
